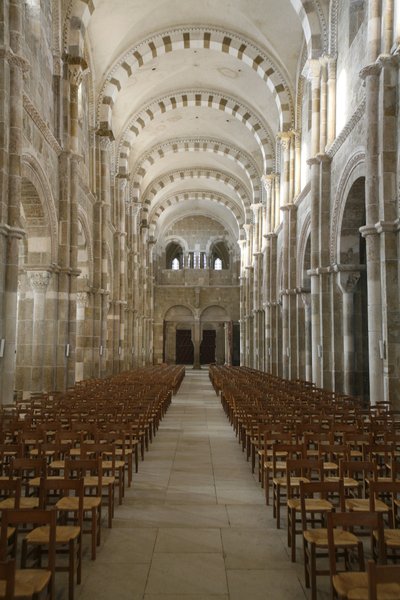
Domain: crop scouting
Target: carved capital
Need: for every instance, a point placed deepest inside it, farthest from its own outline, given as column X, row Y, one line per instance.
column 348, row 280
column 372, row 70
column 82, row 299
column 39, row 280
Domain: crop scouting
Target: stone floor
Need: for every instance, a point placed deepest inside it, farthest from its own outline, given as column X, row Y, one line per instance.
column 194, row 526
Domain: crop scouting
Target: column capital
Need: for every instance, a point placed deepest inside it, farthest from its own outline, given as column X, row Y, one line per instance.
column 82, row 299
column 39, row 280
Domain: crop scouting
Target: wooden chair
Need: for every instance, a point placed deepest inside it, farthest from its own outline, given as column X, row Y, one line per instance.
column 390, row 490
column 68, row 538
column 7, row 579
column 315, row 539
column 343, row 583
column 383, row 581
column 33, row 581
column 97, row 451
column 91, row 472
column 281, row 453
column 298, row 471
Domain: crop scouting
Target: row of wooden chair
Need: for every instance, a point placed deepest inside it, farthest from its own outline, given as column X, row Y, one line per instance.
column 330, row 461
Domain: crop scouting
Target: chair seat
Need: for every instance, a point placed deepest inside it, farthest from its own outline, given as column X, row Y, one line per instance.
column 330, row 466
column 319, row 537
column 107, row 464
column 71, row 503
column 392, row 538
column 312, row 504
column 280, row 465
column 294, row 481
column 92, row 481
column 348, row 482
column 25, row 502
column 64, row 534
column 358, row 504
column 351, row 585
column 35, row 482
column 28, row 582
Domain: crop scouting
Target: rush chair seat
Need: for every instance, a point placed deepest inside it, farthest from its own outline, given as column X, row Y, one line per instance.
column 299, row 471
column 352, row 585
column 315, row 539
column 383, row 581
column 35, row 580
column 86, row 468
column 7, row 579
column 68, row 538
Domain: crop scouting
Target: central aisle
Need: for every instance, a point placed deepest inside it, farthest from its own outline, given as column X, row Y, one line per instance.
column 194, row 526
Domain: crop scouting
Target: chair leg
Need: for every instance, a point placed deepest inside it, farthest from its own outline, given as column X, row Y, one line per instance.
column 71, row 570
column 306, row 554
column 313, row 572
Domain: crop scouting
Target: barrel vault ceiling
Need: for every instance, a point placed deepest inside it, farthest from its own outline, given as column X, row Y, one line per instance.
column 194, row 94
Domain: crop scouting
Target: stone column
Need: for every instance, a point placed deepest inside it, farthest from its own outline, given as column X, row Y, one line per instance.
column 331, row 125
column 13, row 66
column 39, row 281
column 306, row 298
column 371, row 75
column 347, row 281
column 196, row 342
column 285, row 203
column 82, row 302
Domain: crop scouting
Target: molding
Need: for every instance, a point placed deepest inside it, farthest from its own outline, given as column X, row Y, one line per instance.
column 41, row 124
column 347, row 129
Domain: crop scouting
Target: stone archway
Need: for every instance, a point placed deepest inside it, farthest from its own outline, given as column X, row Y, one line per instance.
column 352, row 282
column 36, row 334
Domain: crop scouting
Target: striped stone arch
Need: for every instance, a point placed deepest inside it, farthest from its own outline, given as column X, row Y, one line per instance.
column 214, row 146
column 189, row 99
column 174, row 199
column 314, row 26
column 162, row 182
column 195, row 38
column 44, row 212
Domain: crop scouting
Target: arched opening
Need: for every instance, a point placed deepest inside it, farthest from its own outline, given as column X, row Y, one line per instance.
column 36, row 341
column 174, row 256
column 220, row 258
column 353, row 285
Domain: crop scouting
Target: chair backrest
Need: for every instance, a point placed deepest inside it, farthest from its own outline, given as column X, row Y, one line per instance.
column 51, row 490
column 11, row 488
column 324, row 490
column 84, row 467
column 387, row 577
column 373, row 521
column 7, row 574
column 388, row 491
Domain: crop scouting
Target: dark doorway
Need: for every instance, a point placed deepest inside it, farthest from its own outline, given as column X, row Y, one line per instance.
column 207, row 347
column 236, row 345
column 184, row 347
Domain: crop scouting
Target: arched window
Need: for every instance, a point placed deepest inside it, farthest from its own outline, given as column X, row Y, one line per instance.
column 175, row 265
column 220, row 258
column 174, row 253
